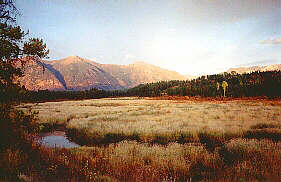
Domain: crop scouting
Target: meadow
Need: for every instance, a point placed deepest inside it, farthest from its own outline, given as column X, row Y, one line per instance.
column 144, row 139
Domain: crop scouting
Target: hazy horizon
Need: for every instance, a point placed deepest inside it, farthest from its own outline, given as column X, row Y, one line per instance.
column 190, row 37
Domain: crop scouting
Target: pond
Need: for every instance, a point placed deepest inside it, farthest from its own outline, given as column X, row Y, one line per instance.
column 56, row 139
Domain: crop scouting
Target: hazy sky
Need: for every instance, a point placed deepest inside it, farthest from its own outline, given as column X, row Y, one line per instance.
column 188, row 36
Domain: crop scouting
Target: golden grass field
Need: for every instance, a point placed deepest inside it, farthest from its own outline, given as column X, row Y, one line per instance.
column 171, row 140
column 157, row 116
column 148, row 118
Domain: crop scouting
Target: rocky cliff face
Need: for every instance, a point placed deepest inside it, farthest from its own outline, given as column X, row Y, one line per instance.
column 75, row 73
column 80, row 74
column 38, row 77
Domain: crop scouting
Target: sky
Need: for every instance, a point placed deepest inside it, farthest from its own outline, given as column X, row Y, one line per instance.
column 188, row 36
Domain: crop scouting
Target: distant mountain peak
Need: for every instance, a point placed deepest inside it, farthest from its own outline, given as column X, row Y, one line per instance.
column 76, row 73
column 73, row 56
column 139, row 63
column 241, row 70
column 73, row 59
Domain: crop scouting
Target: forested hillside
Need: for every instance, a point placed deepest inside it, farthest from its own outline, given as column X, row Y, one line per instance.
column 238, row 85
column 256, row 84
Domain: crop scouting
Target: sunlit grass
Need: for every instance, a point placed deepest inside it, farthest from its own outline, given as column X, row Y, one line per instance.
column 161, row 140
column 155, row 121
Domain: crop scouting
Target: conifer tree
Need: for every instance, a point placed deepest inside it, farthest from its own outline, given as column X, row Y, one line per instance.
column 15, row 50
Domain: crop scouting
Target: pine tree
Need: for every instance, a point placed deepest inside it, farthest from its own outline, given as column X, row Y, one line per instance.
column 15, row 52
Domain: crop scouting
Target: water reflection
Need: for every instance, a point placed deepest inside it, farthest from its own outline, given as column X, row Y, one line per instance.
column 56, row 139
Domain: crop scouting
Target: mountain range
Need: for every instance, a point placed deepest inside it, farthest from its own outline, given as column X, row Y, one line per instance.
column 76, row 73
column 241, row 70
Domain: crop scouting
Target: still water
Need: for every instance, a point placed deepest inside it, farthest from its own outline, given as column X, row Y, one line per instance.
column 56, row 139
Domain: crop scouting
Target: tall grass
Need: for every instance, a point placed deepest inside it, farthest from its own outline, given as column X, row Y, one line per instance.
column 236, row 160
column 252, row 160
column 144, row 140
column 161, row 121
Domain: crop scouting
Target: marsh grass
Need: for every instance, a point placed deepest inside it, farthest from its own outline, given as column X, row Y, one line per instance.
column 132, row 139
column 247, row 159
column 236, row 160
column 131, row 161
column 161, row 121
column 273, row 134
column 252, row 160
column 265, row 125
column 103, row 104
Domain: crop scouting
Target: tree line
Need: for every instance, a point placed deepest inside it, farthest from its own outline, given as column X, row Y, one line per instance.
column 255, row 84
